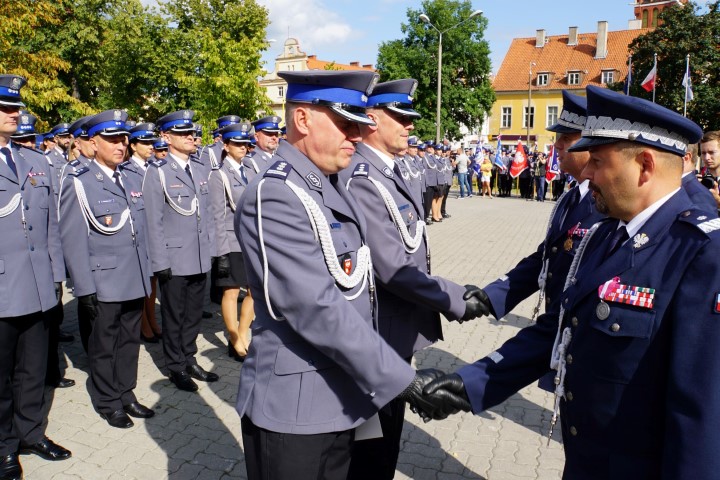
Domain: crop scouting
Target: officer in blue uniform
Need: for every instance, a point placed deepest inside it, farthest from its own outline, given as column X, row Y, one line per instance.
column 409, row 298
column 102, row 225
column 636, row 349
column 180, row 245
column 317, row 367
column 31, row 272
column 25, row 134
column 267, row 136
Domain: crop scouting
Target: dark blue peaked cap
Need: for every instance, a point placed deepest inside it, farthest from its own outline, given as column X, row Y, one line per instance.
column 268, row 124
column 237, row 132
column 396, row 95
column 77, row 128
column 180, row 122
column 613, row 117
column 26, row 125
column 160, row 145
column 10, row 86
column 143, row 132
column 109, row 123
column 61, row 129
column 573, row 116
column 343, row 92
column 412, row 141
column 227, row 120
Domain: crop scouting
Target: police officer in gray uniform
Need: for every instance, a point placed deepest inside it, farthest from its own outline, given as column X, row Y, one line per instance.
column 31, row 269
column 409, row 298
column 267, row 135
column 180, row 245
column 432, row 175
column 214, row 152
column 317, row 367
column 102, row 225
column 25, row 134
column 415, row 180
column 58, row 155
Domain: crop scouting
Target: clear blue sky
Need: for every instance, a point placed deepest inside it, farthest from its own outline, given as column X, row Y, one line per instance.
column 350, row 30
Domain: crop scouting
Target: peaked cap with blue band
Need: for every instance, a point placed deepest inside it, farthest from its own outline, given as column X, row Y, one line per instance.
column 143, row 132
column 130, row 124
column 61, row 129
column 226, row 120
column 10, row 86
column 343, row 92
column 614, row 117
column 108, row 123
column 26, row 125
column 396, row 95
column 573, row 116
column 269, row 124
column 237, row 132
column 412, row 141
column 160, row 145
column 179, row 122
column 77, row 128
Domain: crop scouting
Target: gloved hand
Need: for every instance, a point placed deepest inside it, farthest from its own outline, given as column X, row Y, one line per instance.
column 58, row 290
column 449, row 390
column 477, row 303
column 88, row 305
column 164, row 275
column 428, row 407
column 223, row 266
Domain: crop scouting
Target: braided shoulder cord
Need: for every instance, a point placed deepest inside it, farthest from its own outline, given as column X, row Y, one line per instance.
column 182, row 211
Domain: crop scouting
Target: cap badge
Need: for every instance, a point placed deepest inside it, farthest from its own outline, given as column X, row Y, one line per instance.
column 24, row 119
column 412, row 89
column 374, row 82
column 16, row 83
column 117, row 115
column 186, row 114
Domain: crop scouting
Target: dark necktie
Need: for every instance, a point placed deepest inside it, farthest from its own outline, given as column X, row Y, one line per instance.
column 616, row 240
column 574, row 198
column 8, row 158
column 187, row 170
column 116, row 179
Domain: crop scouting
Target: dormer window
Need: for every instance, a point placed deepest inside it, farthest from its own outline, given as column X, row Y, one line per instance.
column 542, row 79
column 607, row 76
column 574, row 78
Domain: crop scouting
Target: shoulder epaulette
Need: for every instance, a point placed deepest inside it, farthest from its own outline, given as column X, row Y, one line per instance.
column 279, row 169
column 75, row 163
column 158, row 162
column 361, row 170
column 704, row 221
column 79, row 171
column 125, row 164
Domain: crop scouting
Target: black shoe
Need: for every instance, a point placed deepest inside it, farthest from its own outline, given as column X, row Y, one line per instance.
column 153, row 339
column 62, row 383
column 446, row 215
column 46, row 449
column 428, row 220
column 183, row 381
column 198, row 373
column 65, row 337
column 10, row 467
column 117, row 419
column 138, row 410
column 232, row 353
column 206, row 314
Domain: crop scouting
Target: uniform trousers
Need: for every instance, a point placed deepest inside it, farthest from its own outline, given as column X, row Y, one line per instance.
column 113, row 352
column 182, row 299
column 23, row 360
column 427, row 200
column 279, row 456
column 445, row 192
column 84, row 328
column 55, row 318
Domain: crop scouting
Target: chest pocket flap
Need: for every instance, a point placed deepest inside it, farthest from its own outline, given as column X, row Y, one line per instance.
column 299, row 358
column 109, row 208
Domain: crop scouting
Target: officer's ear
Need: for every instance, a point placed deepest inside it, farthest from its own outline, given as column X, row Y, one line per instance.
column 374, row 115
column 648, row 163
column 301, row 117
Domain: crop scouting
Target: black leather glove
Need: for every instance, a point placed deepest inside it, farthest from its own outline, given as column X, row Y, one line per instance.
column 223, row 266
column 164, row 275
column 449, row 390
column 88, row 305
column 58, row 290
column 477, row 303
column 428, row 407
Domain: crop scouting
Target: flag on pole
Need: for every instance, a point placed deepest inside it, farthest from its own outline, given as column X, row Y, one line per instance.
column 520, row 161
column 649, row 83
column 553, row 169
column 628, row 79
column 687, row 83
column 498, row 156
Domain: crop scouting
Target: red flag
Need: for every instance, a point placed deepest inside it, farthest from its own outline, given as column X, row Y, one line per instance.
column 649, row 82
column 520, row 161
column 553, row 168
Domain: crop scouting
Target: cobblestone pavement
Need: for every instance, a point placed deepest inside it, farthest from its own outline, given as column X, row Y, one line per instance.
column 197, row 435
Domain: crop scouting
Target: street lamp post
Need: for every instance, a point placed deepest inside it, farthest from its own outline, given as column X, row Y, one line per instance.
column 426, row 19
column 527, row 115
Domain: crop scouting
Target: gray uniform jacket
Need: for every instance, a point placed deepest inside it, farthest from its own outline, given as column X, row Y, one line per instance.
column 415, row 180
column 409, row 297
column 431, row 170
column 227, row 185
column 30, row 252
column 114, row 265
column 257, row 162
column 321, row 366
column 180, row 241
column 57, row 162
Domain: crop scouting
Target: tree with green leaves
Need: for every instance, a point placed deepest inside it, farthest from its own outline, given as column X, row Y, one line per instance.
column 682, row 31
column 467, row 93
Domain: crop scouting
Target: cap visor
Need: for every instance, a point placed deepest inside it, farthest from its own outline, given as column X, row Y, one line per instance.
column 557, row 128
column 113, row 133
column 270, row 130
column 353, row 117
column 408, row 112
column 12, row 103
column 585, row 143
column 239, row 140
column 181, row 129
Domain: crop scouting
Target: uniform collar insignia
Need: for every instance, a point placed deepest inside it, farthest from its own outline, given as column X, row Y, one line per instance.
column 174, row 166
column 314, row 180
column 99, row 176
column 640, row 239
column 387, row 172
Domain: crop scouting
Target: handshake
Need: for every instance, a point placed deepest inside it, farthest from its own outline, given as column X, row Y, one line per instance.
column 477, row 303
column 435, row 395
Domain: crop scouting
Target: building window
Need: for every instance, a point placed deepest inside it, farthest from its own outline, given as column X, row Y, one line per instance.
column 542, row 79
column 655, row 14
column 552, row 115
column 607, row 76
column 645, row 19
column 532, row 118
column 574, row 78
column 506, row 120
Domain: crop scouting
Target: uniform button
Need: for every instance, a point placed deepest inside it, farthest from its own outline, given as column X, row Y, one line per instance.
column 547, row 300
column 550, row 275
column 569, row 396
column 565, row 301
column 27, row 207
column 573, row 431
column 686, row 214
column 29, row 227
column 574, row 322
column 569, row 359
column 32, row 249
column 372, row 394
column 553, row 250
column 98, row 265
column 615, row 327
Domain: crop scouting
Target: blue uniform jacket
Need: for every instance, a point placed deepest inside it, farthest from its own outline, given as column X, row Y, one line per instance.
column 642, row 397
column 321, row 366
column 115, row 266
column 409, row 297
column 697, row 192
column 31, row 258
column 256, row 163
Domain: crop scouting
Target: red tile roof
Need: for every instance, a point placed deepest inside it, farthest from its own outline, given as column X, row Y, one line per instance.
column 558, row 58
column 314, row 64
